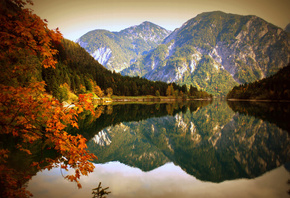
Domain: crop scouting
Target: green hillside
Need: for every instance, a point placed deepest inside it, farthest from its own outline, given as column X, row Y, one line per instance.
column 81, row 73
column 117, row 50
column 215, row 51
column 275, row 87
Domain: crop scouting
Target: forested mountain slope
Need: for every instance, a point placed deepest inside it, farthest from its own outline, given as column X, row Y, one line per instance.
column 215, row 51
column 81, row 73
column 275, row 87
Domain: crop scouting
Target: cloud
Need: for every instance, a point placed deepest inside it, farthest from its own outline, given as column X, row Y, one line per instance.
column 166, row 181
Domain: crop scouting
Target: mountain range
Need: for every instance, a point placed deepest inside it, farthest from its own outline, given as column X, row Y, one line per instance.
column 213, row 51
column 117, row 50
column 211, row 142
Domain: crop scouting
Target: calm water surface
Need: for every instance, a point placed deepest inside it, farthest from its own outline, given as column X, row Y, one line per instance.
column 196, row 149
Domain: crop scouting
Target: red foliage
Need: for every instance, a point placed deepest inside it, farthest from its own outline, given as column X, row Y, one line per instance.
column 26, row 112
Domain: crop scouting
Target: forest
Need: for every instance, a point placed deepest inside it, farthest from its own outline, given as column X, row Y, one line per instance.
column 275, row 87
column 39, row 70
column 79, row 73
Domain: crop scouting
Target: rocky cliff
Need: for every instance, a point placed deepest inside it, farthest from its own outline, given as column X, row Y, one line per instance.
column 213, row 143
column 117, row 50
column 215, row 50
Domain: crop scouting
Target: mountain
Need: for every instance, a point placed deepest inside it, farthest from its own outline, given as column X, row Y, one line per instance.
column 210, row 142
column 81, row 73
column 117, row 50
column 275, row 87
column 214, row 51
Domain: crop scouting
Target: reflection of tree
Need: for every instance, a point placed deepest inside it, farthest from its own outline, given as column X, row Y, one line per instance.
column 18, row 168
column 211, row 143
column 276, row 113
column 221, row 146
column 109, row 110
column 27, row 113
column 129, row 143
column 128, row 113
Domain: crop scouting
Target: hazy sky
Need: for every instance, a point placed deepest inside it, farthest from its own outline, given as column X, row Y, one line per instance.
column 162, row 182
column 77, row 17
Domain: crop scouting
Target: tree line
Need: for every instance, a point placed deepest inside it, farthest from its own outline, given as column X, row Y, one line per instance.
column 78, row 72
column 275, row 87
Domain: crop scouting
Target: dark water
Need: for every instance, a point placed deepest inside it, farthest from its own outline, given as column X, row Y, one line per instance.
column 193, row 149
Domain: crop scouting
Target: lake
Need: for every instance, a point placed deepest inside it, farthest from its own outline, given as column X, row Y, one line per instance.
column 191, row 149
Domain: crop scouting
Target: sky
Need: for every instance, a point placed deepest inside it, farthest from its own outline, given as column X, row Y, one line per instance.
column 74, row 18
column 166, row 181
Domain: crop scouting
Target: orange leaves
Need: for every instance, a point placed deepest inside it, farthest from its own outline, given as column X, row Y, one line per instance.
column 74, row 124
column 3, row 155
column 80, row 110
column 49, row 62
column 82, row 143
column 72, row 148
column 20, row 147
column 19, row 108
column 24, row 34
column 86, row 102
column 74, row 178
column 75, row 156
column 27, row 113
column 98, row 91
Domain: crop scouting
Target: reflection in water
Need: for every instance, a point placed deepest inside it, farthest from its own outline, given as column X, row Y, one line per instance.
column 167, row 181
column 211, row 143
column 167, row 150
column 16, row 170
column 113, row 115
column 277, row 113
column 100, row 192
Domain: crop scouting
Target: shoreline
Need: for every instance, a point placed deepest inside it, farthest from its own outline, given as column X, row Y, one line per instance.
column 152, row 99
column 256, row 100
column 137, row 99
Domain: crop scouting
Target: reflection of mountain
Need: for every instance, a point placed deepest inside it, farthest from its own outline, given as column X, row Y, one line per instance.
column 212, row 143
column 113, row 115
column 274, row 112
column 102, row 138
column 130, row 147
column 123, row 139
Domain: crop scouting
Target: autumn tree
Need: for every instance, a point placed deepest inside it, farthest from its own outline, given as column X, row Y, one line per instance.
column 176, row 93
column 27, row 112
column 98, row 91
column 169, row 91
